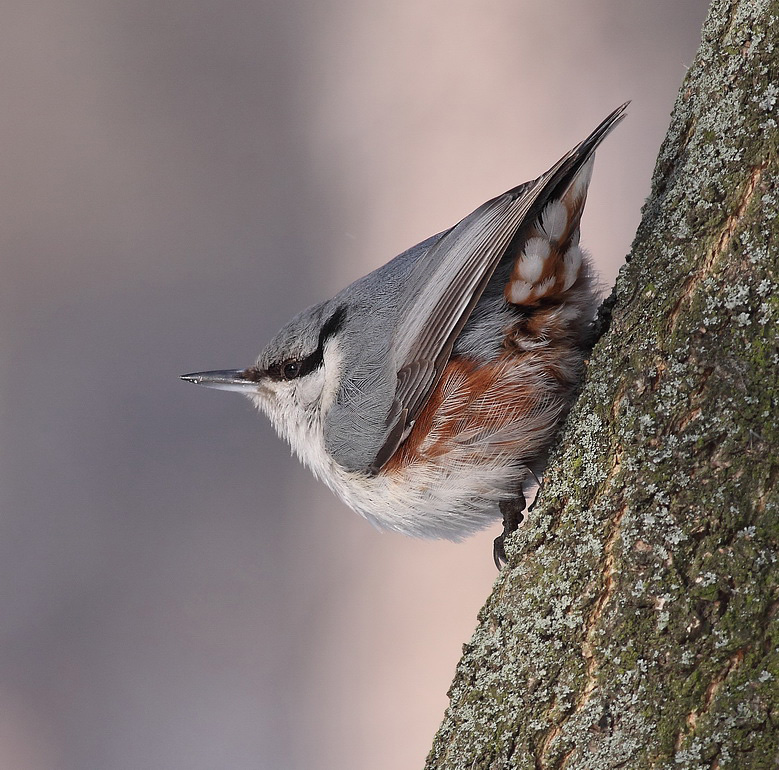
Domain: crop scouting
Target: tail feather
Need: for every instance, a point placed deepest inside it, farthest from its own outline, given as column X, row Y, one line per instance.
column 549, row 260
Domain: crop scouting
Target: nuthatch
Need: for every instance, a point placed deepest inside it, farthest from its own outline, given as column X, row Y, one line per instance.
column 428, row 392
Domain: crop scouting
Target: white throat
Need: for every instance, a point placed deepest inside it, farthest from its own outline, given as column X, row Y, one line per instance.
column 297, row 409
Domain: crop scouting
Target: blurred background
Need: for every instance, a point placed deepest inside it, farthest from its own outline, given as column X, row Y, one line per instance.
column 179, row 178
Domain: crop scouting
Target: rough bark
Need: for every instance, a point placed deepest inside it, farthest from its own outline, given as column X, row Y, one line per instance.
column 636, row 624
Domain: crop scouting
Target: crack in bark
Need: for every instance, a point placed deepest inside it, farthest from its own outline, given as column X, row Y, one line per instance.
column 773, row 474
column 691, row 720
column 588, row 643
column 597, row 613
column 731, row 224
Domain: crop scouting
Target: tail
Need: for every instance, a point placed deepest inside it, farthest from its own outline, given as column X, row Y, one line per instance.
column 547, row 259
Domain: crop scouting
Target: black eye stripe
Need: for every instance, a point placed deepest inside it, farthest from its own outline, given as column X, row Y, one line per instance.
column 313, row 360
column 333, row 325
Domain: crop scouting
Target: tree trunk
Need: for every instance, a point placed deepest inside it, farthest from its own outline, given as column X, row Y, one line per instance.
column 636, row 623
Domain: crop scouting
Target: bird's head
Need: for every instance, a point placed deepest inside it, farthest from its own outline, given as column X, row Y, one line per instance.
column 296, row 377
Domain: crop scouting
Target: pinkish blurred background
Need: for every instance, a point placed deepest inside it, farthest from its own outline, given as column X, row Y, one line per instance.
column 179, row 178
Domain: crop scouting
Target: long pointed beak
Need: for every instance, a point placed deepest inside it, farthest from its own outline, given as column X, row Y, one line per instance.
column 241, row 380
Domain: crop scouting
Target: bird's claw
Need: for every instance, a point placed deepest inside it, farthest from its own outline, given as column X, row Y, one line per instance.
column 499, row 552
column 512, row 518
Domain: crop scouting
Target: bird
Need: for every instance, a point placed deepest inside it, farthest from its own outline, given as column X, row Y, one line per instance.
column 428, row 393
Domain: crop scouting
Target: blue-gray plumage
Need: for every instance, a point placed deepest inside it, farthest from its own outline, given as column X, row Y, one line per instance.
column 425, row 392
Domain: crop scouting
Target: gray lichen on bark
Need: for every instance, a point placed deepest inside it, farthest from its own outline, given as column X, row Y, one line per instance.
column 636, row 624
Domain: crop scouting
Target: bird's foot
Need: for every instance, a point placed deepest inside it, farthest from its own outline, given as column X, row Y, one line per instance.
column 513, row 515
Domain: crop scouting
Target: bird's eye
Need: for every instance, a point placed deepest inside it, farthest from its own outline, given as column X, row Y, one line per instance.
column 290, row 369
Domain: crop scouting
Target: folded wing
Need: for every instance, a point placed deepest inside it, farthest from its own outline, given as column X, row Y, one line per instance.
column 446, row 285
